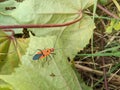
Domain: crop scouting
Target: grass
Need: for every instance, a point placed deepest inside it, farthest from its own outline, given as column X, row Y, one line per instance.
column 104, row 72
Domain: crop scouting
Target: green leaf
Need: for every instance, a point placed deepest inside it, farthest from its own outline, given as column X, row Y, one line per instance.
column 109, row 29
column 58, row 74
column 114, row 24
column 73, row 38
column 10, row 51
column 5, row 86
column 117, row 26
column 7, row 3
column 77, row 36
column 53, row 74
column 5, row 15
column 31, row 11
column 4, row 44
column 104, row 2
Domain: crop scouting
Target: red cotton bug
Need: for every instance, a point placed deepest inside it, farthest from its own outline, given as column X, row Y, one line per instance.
column 43, row 53
column 46, row 52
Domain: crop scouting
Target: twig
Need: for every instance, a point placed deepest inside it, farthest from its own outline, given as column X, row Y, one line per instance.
column 115, row 78
column 103, row 59
column 107, row 12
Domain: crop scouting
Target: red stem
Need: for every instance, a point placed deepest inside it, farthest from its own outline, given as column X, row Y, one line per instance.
column 42, row 25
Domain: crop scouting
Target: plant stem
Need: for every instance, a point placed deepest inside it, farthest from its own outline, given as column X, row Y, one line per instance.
column 42, row 25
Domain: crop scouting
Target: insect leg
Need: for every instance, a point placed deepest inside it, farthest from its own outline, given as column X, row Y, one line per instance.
column 47, row 60
column 53, row 54
column 41, row 51
column 44, row 61
column 50, row 56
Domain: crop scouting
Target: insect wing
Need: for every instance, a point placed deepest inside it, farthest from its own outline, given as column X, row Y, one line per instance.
column 37, row 56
